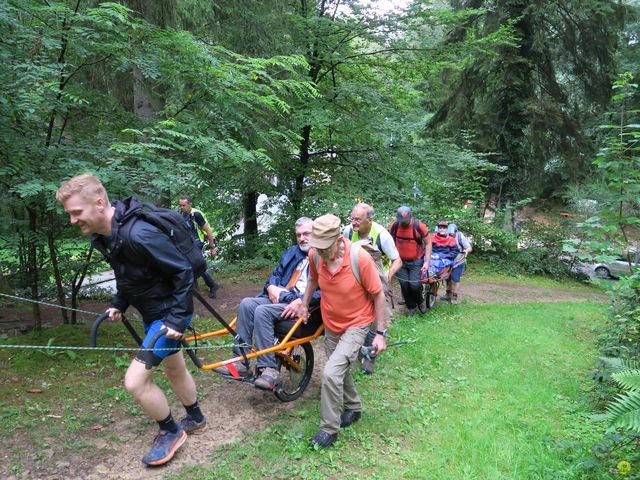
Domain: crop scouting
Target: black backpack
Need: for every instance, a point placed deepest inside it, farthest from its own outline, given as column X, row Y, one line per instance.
column 171, row 223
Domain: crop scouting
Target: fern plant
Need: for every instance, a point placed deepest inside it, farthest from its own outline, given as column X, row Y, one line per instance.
column 624, row 410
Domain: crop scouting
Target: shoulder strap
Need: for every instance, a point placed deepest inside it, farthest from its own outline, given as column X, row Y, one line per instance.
column 348, row 233
column 417, row 234
column 354, row 260
column 394, row 229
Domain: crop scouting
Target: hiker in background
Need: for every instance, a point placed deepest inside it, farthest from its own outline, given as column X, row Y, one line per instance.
column 452, row 244
column 200, row 229
column 348, row 307
column 153, row 276
column 413, row 241
column 281, row 296
column 377, row 241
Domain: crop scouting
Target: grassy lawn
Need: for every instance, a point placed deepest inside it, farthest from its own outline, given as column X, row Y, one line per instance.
column 482, row 393
column 481, row 271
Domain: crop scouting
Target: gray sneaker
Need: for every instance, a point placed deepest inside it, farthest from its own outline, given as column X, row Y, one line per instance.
column 268, row 380
column 423, row 307
column 189, row 425
column 447, row 297
column 454, row 299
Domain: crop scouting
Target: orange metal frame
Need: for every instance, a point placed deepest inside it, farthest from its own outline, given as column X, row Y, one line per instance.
column 282, row 349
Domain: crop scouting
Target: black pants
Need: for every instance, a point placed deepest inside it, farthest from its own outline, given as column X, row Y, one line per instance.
column 410, row 285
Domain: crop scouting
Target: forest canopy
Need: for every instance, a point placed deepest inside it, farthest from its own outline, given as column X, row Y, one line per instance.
column 299, row 107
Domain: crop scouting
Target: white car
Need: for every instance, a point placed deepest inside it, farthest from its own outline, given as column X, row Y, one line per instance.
column 618, row 267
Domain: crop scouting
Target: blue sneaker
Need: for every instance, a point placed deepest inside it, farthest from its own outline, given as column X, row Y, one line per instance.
column 165, row 445
column 189, row 425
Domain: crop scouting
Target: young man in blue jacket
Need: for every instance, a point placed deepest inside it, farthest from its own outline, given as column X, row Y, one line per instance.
column 279, row 300
column 155, row 278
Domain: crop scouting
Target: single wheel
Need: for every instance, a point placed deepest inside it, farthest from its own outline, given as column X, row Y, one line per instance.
column 431, row 294
column 602, row 272
column 296, row 368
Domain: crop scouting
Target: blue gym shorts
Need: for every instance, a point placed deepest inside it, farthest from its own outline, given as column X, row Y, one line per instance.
column 155, row 357
column 456, row 274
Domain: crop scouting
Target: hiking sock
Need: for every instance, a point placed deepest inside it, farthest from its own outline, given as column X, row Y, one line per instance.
column 195, row 412
column 168, row 424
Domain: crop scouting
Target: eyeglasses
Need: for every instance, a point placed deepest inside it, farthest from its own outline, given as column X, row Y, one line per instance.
column 442, row 226
column 356, row 220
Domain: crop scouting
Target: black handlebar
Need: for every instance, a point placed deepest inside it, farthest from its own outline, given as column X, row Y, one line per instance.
column 101, row 318
column 93, row 340
column 94, row 328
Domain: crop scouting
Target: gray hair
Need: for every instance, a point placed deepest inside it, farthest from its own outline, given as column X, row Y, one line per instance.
column 368, row 209
column 303, row 221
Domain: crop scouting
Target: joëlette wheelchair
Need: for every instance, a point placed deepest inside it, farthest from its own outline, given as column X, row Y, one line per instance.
column 293, row 349
column 436, row 276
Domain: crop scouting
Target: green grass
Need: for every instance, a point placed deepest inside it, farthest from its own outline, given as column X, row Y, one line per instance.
column 483, row 272
column 486, row 391
column 483, row 393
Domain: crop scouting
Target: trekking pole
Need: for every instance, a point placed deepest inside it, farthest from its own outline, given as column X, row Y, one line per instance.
column 372, row 351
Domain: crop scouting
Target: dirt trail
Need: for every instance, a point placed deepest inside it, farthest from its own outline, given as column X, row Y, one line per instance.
column 233, row 408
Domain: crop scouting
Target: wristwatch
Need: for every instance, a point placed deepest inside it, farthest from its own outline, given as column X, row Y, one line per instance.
column 382, row 332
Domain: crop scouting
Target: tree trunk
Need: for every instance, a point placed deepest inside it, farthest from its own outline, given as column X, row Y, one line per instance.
column 249, row 204
column 53, row 254
column 4, row 285
column 32, row 267
column 303, row 153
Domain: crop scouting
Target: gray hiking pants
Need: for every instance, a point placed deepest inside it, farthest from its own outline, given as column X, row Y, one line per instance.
column 338, row 392
column 256, row 318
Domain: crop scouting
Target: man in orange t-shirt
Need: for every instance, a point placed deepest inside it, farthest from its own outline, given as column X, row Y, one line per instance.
column 348, row 307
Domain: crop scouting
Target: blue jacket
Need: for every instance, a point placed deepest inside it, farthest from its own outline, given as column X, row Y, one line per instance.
column 283, row 272
column 151, row 274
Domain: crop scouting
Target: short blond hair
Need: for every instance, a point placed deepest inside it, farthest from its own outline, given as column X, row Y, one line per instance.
column 87, row 185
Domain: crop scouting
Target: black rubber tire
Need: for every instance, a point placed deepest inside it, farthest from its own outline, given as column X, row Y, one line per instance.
column 431, row 294
column 602, row 272
column 292, row 383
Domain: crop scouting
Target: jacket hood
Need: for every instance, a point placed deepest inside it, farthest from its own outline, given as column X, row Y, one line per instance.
column 126, row 208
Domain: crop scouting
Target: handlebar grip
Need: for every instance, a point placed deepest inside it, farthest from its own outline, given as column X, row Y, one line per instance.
column 152, row 344
column 93, row 338
column 156, row 337
column 369, row 352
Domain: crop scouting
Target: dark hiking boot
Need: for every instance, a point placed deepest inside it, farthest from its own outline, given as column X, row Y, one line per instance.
column 323, row 439
column 349, row 417
column 164, row 447
column 423, row 307
column 214, row 290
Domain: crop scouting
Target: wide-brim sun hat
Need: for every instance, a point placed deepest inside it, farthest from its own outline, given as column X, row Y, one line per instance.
column 324, row 231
